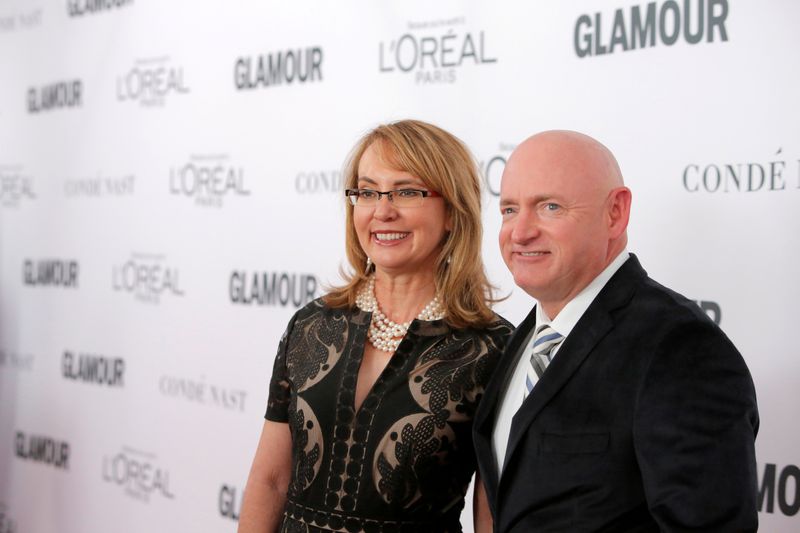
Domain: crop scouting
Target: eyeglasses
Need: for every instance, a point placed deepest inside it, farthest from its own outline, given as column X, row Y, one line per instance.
column 398, row 197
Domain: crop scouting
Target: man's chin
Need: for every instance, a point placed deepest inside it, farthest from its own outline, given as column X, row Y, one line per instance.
column 532, row 287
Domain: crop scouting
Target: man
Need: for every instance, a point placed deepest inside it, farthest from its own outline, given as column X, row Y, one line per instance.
column 618, row 404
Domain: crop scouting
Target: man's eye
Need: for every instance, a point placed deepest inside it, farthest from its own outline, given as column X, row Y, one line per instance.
column 550, row 206
column 506, row 210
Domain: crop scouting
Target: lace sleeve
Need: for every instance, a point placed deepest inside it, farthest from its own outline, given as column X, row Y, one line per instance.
column 279, row 385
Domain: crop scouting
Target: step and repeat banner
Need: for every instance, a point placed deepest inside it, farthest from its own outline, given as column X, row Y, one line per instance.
column 171, row 192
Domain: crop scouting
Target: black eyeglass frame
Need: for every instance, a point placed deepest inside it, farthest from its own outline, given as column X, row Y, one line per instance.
column 353, row 194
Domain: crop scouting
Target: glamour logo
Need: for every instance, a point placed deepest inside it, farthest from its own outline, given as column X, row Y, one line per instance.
column 272, row 288
column 62, row 94
column 77, row 8
column 100, row 187
column 16, row 361
column 15, row 186
column 319, row 181
column 147, row 277
column 712, row 309
column 41, row 449
column 492, row 168
column 434, row 52
column 786, row 485
column 7, row 522
column 740, row 177
column 209, row 179
column 93, row 369
column 50, row 273
column 138, row 473
column 28, row 19
column 303, row 65
column 694, row 20
column 229, row 504
column 201, row 392
column 151, row 81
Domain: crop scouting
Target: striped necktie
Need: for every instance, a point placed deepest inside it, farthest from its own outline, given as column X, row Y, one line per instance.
column 544, row 341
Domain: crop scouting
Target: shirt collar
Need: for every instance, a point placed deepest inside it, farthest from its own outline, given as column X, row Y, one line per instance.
column 575, row 308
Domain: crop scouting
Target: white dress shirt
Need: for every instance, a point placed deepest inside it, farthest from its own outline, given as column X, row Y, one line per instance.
column 512, row 397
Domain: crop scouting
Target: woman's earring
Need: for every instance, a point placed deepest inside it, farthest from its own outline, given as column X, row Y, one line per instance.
column 369, row 265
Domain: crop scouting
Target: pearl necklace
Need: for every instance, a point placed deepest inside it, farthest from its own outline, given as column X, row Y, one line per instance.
column 384, row 333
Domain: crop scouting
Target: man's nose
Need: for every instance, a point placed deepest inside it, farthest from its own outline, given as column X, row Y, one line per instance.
column 526, row 226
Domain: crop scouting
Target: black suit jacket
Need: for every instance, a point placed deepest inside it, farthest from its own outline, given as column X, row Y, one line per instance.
column 644, row 421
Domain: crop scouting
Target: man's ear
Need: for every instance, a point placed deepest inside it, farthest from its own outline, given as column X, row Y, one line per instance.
column 619, row 211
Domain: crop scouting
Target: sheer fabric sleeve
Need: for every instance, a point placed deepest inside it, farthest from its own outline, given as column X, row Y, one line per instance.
column 280, row 391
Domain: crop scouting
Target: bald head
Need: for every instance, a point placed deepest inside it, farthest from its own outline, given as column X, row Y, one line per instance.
column 572, row 152
column 565, row 213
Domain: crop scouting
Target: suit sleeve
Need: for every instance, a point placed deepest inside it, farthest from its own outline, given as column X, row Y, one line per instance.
column 694, row 432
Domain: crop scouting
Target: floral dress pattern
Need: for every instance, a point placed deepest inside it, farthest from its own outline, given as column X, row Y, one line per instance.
column 404, row 460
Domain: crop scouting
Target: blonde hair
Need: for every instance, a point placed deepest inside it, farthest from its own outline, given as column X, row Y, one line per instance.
column 446, row 166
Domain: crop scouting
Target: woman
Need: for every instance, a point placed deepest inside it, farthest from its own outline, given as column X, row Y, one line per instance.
column 368, row 424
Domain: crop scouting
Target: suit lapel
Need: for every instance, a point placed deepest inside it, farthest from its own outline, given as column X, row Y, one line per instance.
column 569, row 357
column 595, row 324
column 494, row 391
column 487, row 412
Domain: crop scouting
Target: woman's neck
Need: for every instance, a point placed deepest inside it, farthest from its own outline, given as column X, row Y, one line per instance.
column 402, row 297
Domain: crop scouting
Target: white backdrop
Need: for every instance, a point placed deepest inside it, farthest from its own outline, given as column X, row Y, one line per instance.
column 149, row 173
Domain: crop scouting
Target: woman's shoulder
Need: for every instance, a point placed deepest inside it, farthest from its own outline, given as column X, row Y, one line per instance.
column 487, row 339
column 318, row 307
column 501, row 323
column 473, row 351
column 497, row 328
column 318, row 311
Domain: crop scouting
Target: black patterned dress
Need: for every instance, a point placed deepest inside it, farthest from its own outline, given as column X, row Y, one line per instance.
column 404, row 460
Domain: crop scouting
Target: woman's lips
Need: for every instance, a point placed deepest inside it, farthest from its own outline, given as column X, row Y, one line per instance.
column 390, row 237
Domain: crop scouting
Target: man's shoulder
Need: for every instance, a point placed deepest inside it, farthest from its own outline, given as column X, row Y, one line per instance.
column 663, row 324
column 665, row 300
column 664, row 315
column 651, row 298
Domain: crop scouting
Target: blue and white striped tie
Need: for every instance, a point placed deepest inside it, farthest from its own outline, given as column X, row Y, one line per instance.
column 544, row 341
